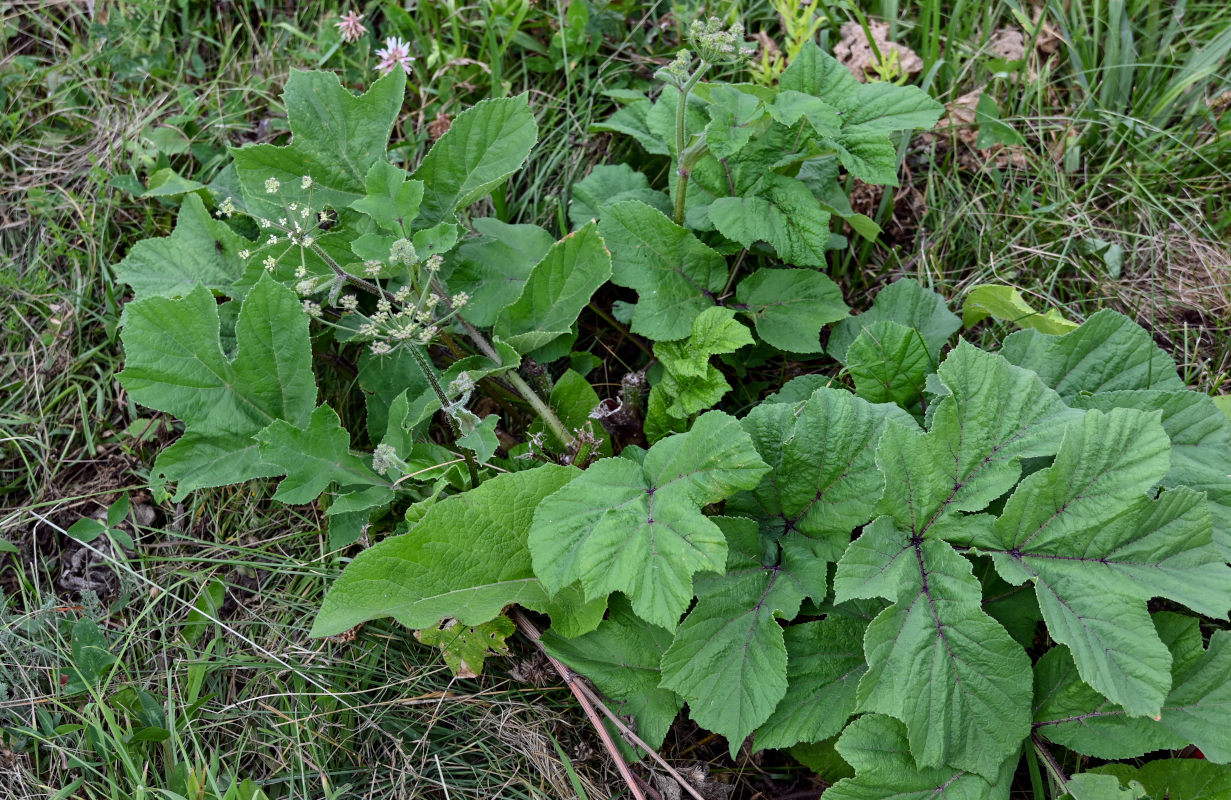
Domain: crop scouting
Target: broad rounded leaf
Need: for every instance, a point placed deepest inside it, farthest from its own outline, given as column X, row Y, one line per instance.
column 1200, row 446
column 485, row 144
column 885, row 107
column 392, row 200
column 1175, row 778
column 1108, row 352
column 313, row 457
column 783, row 213
column 790, row 306
column 993, row 415
column 612, row 183
column 431, row 572
column 1089, row 786
column 1070, row 713
column 493, row 267
column 676, row 276
column 823, row 481
column 889, row 363
column 906, row 303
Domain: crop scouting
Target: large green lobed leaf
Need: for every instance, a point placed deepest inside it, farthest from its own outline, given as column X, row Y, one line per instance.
column 823, row 481
column 1070, row 713
column 877, row 747
column 675, row 274
column 174, row 362
column 936, row 660
column 201, row 251
column 824, row 665
column 336, row 137
column 1097, row 549
column 790, row 306
column 634, row 523
column 729, row 658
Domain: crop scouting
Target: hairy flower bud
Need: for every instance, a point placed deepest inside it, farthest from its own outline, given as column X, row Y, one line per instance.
column 383, row 457
column 402, row 252
column 716, row 44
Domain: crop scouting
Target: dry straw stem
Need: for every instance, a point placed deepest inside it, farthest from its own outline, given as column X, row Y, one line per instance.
column 590, row 702
column 532, row 633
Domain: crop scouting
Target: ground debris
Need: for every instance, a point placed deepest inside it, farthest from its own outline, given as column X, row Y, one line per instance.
column 855, row 53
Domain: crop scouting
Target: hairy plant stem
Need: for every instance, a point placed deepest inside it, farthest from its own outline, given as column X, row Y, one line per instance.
column 426, row 367
column 524, row 389
column 683, row 169
column 1054, row 770
column 537, row 403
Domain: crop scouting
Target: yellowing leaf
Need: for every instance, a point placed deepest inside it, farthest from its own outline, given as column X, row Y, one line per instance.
column 1007, row 304
column 466, row 647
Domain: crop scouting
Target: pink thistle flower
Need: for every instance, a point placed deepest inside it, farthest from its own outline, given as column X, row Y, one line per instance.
column 351, row 27
column 395, row 53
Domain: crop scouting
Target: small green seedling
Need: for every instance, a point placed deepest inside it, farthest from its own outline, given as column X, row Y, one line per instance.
column 87, row 529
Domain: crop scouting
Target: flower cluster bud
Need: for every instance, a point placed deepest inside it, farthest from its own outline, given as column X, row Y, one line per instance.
column 716, row 44
column 403, row 252
column 678, row 71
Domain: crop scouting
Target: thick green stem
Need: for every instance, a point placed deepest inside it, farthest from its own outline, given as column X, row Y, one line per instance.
column 430, row 374
column 1054, row 770
column 519, row 384
column 682, row 169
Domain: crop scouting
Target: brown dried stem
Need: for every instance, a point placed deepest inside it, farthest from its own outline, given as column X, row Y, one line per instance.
column 590, row 701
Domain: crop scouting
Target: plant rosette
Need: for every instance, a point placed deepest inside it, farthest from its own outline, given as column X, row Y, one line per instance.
column 942, row 556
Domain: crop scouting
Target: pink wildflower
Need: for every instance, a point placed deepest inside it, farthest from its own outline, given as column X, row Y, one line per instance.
column 395, row 53
column 351, row 27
